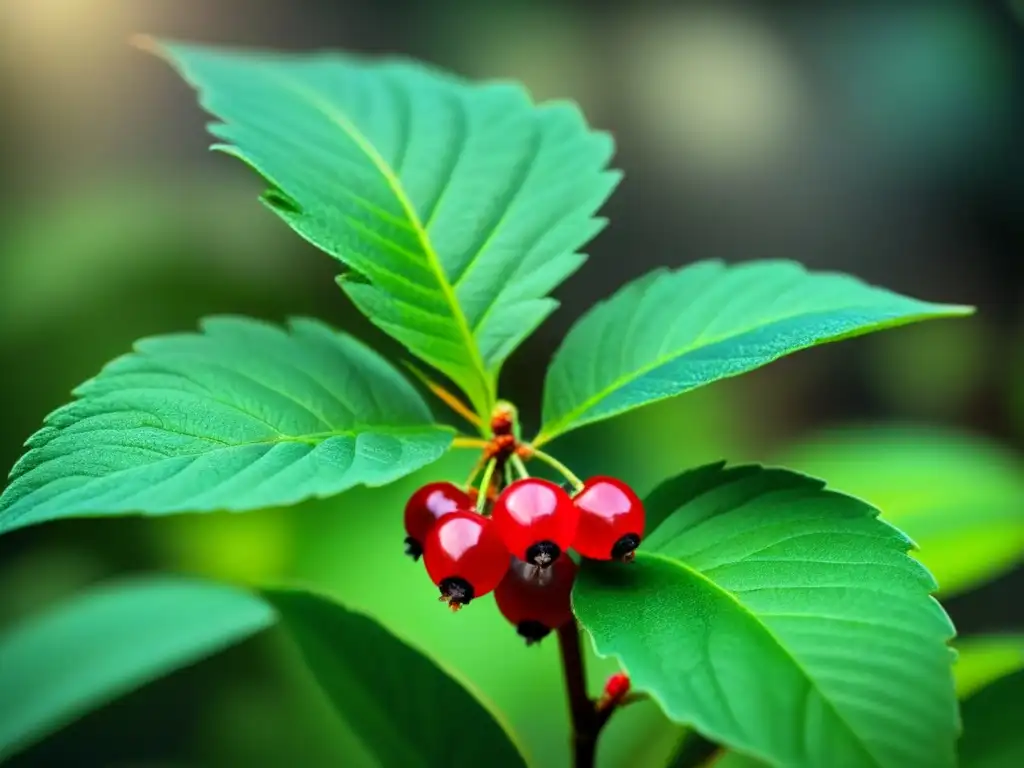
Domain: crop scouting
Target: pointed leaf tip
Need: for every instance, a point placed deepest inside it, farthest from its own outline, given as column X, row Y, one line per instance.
column 459, row 233
column 671, row 331
column 240, row 416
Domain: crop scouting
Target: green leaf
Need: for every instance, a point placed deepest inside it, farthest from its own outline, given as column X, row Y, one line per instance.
column 783, row 620
column 400, row 707
column 735, row 760
column 993, row 736
column 405, row 709
column 109, row 640
column 957, row 495
column 241, row 416
column 672, row 331
column 984, row 658
column 458, row 206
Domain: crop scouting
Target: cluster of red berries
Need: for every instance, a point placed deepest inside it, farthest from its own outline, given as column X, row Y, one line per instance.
column 520, row 550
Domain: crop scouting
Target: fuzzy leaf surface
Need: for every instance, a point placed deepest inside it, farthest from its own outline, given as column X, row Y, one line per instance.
column 674, row 330
column 783, row 620
column 458, row 206
column 240, row 416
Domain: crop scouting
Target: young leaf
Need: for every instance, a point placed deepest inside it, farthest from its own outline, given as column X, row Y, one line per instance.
column 993, row 737
column 405, row 709
column 983, row 658
column 783, row 620
column 240, row 416
column 458, row 206
column 673, row 331
column 958, row 496
column 109, row 640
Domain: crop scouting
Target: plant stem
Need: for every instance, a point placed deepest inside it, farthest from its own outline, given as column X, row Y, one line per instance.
column 449, row 399
column 475, row 443
column 587, row 721
column 477, row 469
column 485, row 486
column 519, row 466
column 558, row 466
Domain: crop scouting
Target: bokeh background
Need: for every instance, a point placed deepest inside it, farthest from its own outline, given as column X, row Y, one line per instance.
column 877, row 139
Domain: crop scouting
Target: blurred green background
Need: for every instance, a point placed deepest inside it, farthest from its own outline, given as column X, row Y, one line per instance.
column 873, row 139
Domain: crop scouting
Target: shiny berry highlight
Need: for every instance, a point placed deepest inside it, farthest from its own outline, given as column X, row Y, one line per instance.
column 425, row 507
column 611, row 522
column 465, row 557
column 537, row 520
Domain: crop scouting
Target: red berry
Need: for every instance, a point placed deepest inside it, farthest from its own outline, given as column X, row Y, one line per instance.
column 537, row 600
column 536, row 519
column 425, row 507
column 465, row 556
column 611, row 520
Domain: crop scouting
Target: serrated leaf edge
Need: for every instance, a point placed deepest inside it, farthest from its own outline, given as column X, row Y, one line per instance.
column 870, row 510
column 310, row 95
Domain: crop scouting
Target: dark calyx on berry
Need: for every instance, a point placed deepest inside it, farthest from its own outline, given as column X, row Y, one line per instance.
column 536, row 519
column 537, row 600
column 625, row 548
column 413, row 548
column 532, row 631
column 456, row 591
column 611, row 520
column 464, row 557
column 543, row 553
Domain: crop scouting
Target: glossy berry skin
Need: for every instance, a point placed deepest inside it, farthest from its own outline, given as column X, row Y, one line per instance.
column 425, row 507
column 536, row 600
column 611, row 520
column 537, row 520
column 465, row 557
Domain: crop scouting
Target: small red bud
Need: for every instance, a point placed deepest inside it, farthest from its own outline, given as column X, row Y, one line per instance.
column 503, row 419
column 614, row 690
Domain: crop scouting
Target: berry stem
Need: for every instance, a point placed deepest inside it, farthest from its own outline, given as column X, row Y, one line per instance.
column 558, row 466
column 587, row 720
column 519, row 466
column 485, row 486
column 475, row 472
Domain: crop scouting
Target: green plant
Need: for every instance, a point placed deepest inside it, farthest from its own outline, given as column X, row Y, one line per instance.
column 775, row 617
